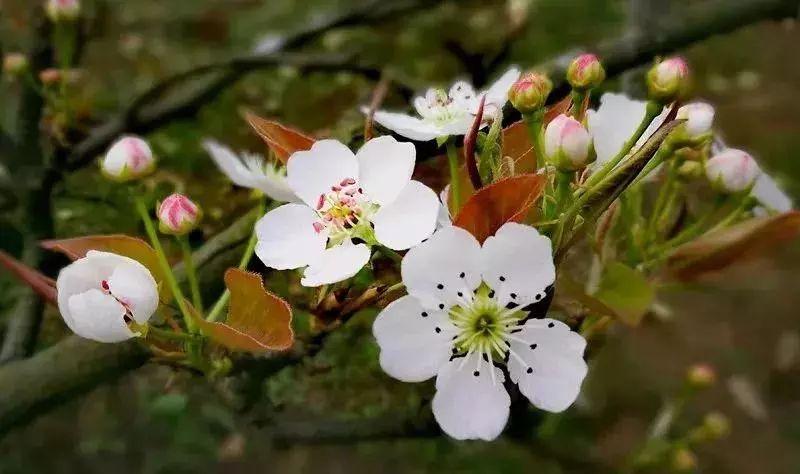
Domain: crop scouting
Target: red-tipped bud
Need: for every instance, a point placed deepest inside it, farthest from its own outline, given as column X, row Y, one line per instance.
column 732, row 171
column 128, row 158
column 701, row 376
column 567, row 145
column 585, row 72
column 178, row 215
column 50, row 76
column 63, row 10
column 14, row 64
column 716, row 425
column 530, row 92
column 668, row 80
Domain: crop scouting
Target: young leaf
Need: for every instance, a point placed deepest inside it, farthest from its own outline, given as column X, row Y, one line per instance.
column 721, row 249
column 508, row 200
column 124, row 245
column 43, row 285
column 570, row 289
column 626, row 291
column 258, row 321
column 282, row 140
column 469, row 146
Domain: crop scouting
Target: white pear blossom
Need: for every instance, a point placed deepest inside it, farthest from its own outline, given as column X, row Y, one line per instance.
column 443, row 114
column 770, row 196
column 250, row 170
column 106, row 297
column 369, row 196
column 465, row 321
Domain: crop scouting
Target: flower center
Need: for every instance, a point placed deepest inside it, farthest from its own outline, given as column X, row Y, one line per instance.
column 343, row 211
column 483, row 326
column 105, row 288
column 442, row 108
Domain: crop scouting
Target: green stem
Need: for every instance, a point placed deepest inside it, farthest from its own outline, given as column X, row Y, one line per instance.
column 216, row 310
column 577, row 104
column 695, row 229
column 455, row 181
column 666, row 191
column 163, row 263
column 389, row 253
column 652, row 111
column 191, row 273
column 170, row 335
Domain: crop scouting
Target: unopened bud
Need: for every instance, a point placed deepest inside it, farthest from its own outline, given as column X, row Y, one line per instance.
column 668, row 80
column 567, row 145
column 732, row 171
column 684, row 460
column 690, row 170
column 716, row 425
column 14, row 64
column 585, row 72
column 530, row 92
column 178, row 215
column 699, row 117
column 63, row 10
column 50, row 76
column 128, row 158
column 701, row 376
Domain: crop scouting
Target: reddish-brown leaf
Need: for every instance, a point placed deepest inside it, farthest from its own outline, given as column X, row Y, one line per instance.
column 507, row 200
column 282, row 140
column 257, row 320
column 124, row 245
column 470, row 140
column 721, row 249
column 43, row 285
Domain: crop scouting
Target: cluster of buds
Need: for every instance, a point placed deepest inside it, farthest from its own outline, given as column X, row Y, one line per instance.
column 63, row 10
column 732, row 171
column 567, row 144
column 585, row 72
column 129, row 158
column 14, row 64
column 529, row 93
column 668, row 80
column 178, row 215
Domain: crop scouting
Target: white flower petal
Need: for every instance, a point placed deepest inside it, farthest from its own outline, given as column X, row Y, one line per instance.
column 771, row 197
column 462, row 92
column 408, row 220
column 229, row 163
column 408, row 126
column 384, row 168
column 287, row 239
column 458, row 125
column 133, row 284
column 518, row 264
column 553, row 368
column 443, row 219
column 98, row 316
column 414, row 342
column 311, row 173
column 470, row 406
column 497, row 94
column 438, row 269
column 336, row 264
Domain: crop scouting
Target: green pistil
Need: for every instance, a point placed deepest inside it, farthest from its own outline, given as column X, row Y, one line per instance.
column 484, row 327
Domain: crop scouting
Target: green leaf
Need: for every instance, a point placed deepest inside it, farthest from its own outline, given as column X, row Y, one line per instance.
column 626, row 291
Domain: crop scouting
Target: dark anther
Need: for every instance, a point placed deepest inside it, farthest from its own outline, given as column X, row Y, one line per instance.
column 440, row 286
column 476, row 373
column 513, row 296
column 438, row 329
column 533, row 346
column 441, row 305
column 551, row 325
column 462, row 275
column 502, row 278
column 530, row 370
column 424, row 314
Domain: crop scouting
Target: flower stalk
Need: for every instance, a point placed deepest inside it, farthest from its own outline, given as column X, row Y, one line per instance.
column 191, row 273
column 455, row 181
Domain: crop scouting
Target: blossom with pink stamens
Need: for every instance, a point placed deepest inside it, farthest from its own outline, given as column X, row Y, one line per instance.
column 106, row 297
column 178, row 215
column 129, row 158
column 350, row 202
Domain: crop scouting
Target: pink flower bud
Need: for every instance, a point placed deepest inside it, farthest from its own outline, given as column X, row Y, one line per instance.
column 716, row 425
column 585, row 72
column 50, row 76
column 14, row 63
column 63, row 10
column 701, row 376
column 732, row 171
column 668, row 80
column 567, row 144
column 699, row 117
column 128, row 159
column 530, row 92
column 177, row 215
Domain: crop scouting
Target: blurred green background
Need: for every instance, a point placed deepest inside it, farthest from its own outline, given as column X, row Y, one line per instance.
column 158, row 421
